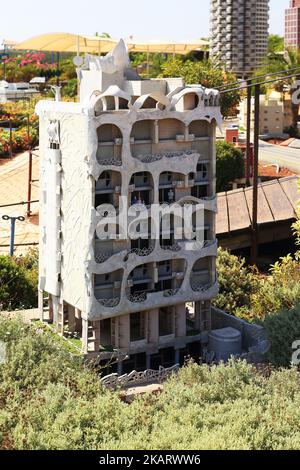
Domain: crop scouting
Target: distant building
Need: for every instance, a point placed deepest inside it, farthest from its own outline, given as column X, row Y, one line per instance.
column 239, row 31
column 274, row 117
column 292, row 25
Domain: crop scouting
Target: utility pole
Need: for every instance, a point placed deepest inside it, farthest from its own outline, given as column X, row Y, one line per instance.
column 12, row 230
column 248, row 142
column 254, row 246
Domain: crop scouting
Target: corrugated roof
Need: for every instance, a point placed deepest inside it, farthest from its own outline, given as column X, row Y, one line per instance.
column 277, row 201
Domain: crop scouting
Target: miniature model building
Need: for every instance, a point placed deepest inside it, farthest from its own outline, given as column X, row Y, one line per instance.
column 128, row 143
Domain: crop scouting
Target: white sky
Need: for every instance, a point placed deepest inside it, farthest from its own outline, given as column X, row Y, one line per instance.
column 143, row 19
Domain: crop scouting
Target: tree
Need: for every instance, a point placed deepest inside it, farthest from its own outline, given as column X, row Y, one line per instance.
column 275, row 43
column 276, row 63
column 206, row 73
column 230, row 165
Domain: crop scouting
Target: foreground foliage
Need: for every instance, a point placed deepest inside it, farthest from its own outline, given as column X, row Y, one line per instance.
column 49, row 400
column 245, row 293
column 18, row 281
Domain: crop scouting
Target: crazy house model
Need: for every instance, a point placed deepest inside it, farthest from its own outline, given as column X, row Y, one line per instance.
column 129, row 283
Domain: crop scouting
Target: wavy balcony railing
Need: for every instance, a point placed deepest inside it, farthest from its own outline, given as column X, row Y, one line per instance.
column 110, row 162
column 152, row 158
column 102, row 257
column 138, row 298
column 201, row 288
column 110, row 303
column 170, row 292
column 173, row 248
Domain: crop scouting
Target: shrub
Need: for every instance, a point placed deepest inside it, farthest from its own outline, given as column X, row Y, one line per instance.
column 230, row 165
column 237, row 283
column 18, row 288
column 249, row 295
column 283, row 329
column 49, row 400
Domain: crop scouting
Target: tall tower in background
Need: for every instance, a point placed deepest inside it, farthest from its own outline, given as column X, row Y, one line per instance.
column 239, row 32
column 292, row 25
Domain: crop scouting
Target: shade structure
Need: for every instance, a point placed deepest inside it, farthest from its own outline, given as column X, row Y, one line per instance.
column 66, row 42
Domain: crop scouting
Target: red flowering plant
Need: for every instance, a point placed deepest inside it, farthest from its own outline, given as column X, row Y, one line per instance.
column 20, row 114
column 25, row 67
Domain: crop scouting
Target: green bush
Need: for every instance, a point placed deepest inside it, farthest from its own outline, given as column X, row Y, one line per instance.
column 18, row 284
column 249, row 295
column 49, row 400
column 230, row 165
column 237, row 283
column 283, row 329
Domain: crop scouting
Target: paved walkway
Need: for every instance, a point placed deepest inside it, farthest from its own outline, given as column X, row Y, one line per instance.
column 13, row 189
column 26, row 315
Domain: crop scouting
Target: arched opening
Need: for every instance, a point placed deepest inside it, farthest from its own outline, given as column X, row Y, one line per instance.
column 107, row 288
column 171, row 187
column 191, row 101
column 109, row 145
column 141, row 240
column 200, row 279
column 142, row 189
column 142, row 138
column 202, row 223
column 171, row 231
column 150, row 103
column 200, row 189
column 140, row 283
column 171, row 130
column 108, row 188
column 170, row 276
column 199, row 128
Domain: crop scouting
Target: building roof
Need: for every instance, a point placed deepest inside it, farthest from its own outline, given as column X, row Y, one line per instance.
column 277, row 202
column 66, row 42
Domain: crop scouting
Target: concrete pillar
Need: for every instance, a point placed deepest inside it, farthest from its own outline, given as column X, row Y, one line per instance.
column 41, row 304
column 197, row 315
column 156, row 132
column 50, row 302
column 177, row 356
column 120, row 367
column 78, row 322
column 180, row 321
column 186, row 133
column 95, row 340
column 71, row 319
column 55, row 306
column 153, row 325
column 124, row 332
column 85, row 334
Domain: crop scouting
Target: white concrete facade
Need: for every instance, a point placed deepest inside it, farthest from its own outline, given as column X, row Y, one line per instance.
column 128, row 141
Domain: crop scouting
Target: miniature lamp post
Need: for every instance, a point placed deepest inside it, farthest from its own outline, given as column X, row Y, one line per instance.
column 12, row 230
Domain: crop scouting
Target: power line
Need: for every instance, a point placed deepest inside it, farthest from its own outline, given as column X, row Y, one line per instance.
column 270, row 74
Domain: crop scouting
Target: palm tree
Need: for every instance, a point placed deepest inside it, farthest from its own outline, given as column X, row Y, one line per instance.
column 282, row 63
